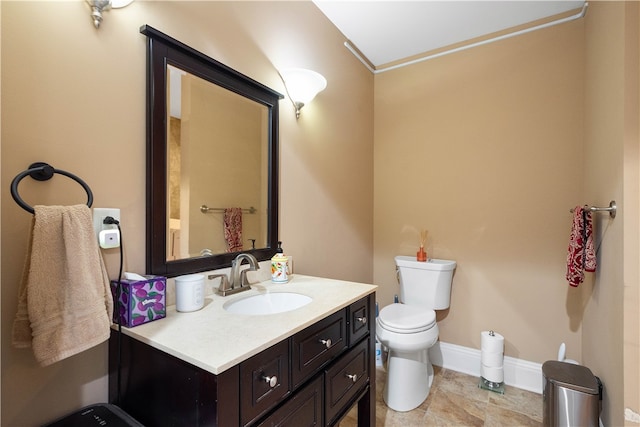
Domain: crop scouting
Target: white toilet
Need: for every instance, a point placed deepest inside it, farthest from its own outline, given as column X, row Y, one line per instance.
column 408, row 329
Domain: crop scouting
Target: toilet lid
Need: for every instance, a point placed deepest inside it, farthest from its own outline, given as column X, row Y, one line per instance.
column 406, row 319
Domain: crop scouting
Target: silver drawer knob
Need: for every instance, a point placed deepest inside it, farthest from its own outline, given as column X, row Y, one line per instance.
column 362, row 319
column 272, row 380
column 326, row 342
column 353, row 377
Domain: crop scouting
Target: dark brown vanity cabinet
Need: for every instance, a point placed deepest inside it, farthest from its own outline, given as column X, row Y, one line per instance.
column 312, row 378
column 305, row 408
column 317, row 345
column 359, row 321
column 264, row 381
column 345, row 378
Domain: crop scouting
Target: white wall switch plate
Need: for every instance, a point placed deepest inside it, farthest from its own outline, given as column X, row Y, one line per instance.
column 99, row 214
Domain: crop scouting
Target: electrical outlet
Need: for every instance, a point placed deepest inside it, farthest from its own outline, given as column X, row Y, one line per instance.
column 99, row 214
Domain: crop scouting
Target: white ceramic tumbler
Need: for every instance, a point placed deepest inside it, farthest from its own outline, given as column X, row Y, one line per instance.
column 189, row 292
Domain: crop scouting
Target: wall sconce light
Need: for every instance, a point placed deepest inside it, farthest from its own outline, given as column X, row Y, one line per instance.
column 302, row 86
column 99, row 6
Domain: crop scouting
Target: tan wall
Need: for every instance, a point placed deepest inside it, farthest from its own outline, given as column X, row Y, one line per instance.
column 611, row 172
column 221, row 146
column 484, row 149
column 2, row 344
column 488, row 149
column 604, row 133
column 631, row 186
column 74, row 96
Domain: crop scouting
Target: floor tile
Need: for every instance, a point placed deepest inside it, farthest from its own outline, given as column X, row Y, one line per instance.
column 456, row 400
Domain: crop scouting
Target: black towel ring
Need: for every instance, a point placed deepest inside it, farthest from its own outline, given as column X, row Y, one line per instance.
column 41, row 171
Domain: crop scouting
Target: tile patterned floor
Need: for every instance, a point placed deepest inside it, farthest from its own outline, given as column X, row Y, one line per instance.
column 456, row 400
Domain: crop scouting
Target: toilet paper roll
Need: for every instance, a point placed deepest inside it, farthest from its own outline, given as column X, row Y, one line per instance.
column 492, row 359
column 491, row 343
column 493, row 374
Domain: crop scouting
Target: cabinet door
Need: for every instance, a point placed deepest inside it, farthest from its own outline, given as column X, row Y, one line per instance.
column 316, row 345
column 359, row 318
column 344, row 379
column 304, row 409
column 264, row 381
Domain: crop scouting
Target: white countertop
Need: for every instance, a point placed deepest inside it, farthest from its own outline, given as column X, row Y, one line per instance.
column 215, row 340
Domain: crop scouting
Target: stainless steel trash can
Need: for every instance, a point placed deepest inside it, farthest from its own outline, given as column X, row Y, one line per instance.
column 570, row 395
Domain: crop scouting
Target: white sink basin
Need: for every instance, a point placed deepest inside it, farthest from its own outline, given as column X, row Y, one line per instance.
column 270, row 303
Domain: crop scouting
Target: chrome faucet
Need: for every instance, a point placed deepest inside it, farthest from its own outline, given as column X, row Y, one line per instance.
column 237, row 281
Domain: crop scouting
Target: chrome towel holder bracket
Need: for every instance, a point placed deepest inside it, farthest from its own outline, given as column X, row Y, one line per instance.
column 612, row 209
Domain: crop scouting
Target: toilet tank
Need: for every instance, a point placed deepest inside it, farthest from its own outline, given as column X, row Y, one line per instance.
column 426, row 284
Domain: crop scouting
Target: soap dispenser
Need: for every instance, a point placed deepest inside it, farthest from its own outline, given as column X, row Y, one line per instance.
column 279, row 273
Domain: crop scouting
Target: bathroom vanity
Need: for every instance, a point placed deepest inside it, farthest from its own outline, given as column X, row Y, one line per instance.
column 307, row 366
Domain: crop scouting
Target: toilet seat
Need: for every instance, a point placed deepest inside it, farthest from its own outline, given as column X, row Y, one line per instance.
column 406, row 319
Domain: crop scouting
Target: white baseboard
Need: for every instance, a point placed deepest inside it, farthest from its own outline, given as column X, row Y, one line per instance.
column 517, row 372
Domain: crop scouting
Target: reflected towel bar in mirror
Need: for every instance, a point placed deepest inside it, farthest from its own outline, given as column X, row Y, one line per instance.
column 612, row 208
column 205, row 209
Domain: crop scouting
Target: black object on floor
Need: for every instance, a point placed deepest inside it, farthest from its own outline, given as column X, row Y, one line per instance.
column 100, row 414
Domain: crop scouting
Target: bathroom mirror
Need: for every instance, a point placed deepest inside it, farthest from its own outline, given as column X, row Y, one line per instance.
column 212, row 161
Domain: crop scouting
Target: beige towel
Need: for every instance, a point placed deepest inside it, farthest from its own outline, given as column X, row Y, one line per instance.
column 65, row 304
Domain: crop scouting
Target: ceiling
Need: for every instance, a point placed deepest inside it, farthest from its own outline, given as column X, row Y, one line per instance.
column 386, row 31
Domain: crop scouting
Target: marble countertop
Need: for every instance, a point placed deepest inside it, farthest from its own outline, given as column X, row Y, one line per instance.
column 215, row 340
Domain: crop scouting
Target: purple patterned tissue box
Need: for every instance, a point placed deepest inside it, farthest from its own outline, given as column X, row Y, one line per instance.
column 141, row 301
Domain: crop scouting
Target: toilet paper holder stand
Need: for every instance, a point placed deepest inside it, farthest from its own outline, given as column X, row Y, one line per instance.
column 491, row 386
column 485, row 384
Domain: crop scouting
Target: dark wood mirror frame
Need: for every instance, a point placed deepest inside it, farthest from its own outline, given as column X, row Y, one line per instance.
column 163, row 50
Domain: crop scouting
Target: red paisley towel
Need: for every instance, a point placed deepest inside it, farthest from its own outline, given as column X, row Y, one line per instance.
column 581, row 254
column 233, row 229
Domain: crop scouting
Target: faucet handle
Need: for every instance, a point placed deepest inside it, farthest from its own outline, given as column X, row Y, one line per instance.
column 224, row 281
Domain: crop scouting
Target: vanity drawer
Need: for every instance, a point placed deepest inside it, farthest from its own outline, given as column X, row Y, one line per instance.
column 304, row 408
column 344, row 379
column 264, row 381
column 316, row 345
column 359, row 317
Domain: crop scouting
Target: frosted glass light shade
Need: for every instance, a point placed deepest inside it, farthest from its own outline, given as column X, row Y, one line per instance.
column 302, row 85
column 116, row 4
